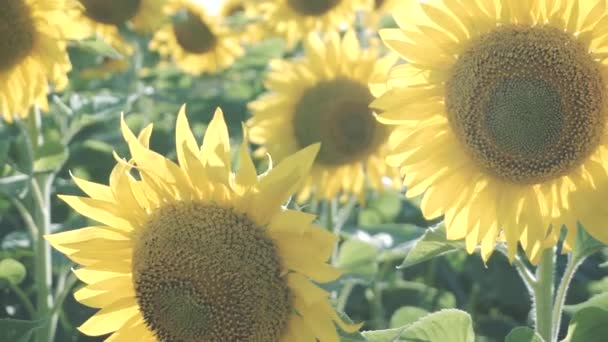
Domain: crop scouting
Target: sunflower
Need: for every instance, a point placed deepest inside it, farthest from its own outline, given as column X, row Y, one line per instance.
column 195, row 252
column 325, row 98
column 501, row 115
column 294, row 19
column 105, row 17
column 195, row 41
column 32, row 53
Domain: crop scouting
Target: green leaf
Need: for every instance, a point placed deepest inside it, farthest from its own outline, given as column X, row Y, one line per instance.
column 407, row 315
column 431, row 244
column 50, row 157
column 17, row 330
column 98, row 47
column 388, row 204
column 523, row 334
column 369, row 217
column 600, row 301
column 22, row 154
column 358, row 257
column 585, row 244
column 588, row 325
column 12, row 271
column 445, row 326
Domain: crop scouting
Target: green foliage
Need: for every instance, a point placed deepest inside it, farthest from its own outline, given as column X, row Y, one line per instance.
column 585, row 244
column 444, row 326
column 359, row 258
column 407, row 315
column 18, row 330
column 600, row 301
column 433, row 243
column 588, row 325
column 523, row 334
column 402, row 279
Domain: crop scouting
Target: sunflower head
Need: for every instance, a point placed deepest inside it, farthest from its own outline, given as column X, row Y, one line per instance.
column 538, row 115
column 506, row 104
column 325, row 98
column 179, row 304
column 196, row 252
column 336, row 113
column 33, row 55
column 196, row 42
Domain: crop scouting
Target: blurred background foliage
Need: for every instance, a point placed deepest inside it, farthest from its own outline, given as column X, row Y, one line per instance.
column 391, row 279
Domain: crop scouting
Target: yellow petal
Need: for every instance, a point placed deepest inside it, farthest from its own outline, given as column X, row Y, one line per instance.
column 246, row 176
column 105, row 212
column 305, row 289
column 215, row 150
column 145, row 134
column 90, row 275
column 110, row 318
column 298, row 331
column 184, row 139
column 94, row 190
column 154, row 163
column 282, row 182
column 291, row 221
column 315, row 243
column 318, row 271
column 99, row 299
column 317, row 321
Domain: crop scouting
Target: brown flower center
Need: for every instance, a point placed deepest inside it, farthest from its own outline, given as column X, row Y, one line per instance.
column 206, row 273
column 17, row 32
column 337, row 114
column 193, row 34
column 378, row 4
column 111, row 12
column 312, row 7
column 234, row 9
column 528, row 103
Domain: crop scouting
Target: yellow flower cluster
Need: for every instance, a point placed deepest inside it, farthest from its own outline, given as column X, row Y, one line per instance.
column 494, row 112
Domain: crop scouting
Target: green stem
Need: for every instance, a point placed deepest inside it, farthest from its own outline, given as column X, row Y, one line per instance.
column 338, row 221
column 26, row 217
column 41, row 188
column 345, row 292
column 526, row 275
column 562, row 290
column 64, row 286
column 522, row 269
column 378, row 321
column 27, row 304
column 543, row 294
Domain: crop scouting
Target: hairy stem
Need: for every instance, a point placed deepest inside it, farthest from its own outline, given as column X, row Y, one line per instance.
column 543, row 294
column 562, row 290
column 41, row 191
